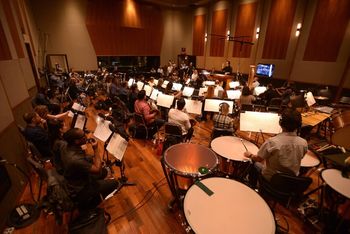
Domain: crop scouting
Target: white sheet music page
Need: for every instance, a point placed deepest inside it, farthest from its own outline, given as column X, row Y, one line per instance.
column 259, row 90
column 80, row 122
column 202, row 91
column 234, row 94
column 154, row 94
column 265, row 122
column 188, row 91
column 78, row 107
column 102, row 130
column 139, row 85
column 130, row 82
column 177, row 86
column 310, row 100
column 212, row 105
column 193, row 106
column 165, row 84
column 233, row 84
column 148, row 90
column 117, row 146
column 165, row 100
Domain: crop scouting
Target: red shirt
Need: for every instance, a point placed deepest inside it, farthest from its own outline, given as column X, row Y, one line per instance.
column 142, row 107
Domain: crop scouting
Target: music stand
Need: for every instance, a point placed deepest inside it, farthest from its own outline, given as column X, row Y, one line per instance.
column 260, row 122
column 117, row 146
column 165, row 100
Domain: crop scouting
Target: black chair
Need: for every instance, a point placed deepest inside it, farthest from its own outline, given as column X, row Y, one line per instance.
column 275, row 105
column 140, row 129
column 40, row 171
column 173, row 135
column 218, row 132
column 344, row 100
column 284, row 188
column 247, row 107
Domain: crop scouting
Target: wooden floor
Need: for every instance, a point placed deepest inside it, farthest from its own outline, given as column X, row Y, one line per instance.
column 144, row 208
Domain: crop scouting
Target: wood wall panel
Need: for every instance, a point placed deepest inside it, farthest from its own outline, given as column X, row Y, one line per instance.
column 112, row 33
column 199, row 23
column 279, row 29
column 218, row 33
column 5, row 53
column 245, row 27
column 327, row 31
column 13, row 28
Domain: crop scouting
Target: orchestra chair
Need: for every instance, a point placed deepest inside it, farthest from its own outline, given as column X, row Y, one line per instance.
column 247, row 107
column 140, row 126
column 284, row 188
column 275, row 105
column 40, row 171
column 218, row 132
column 344, row 100
column 173, row 135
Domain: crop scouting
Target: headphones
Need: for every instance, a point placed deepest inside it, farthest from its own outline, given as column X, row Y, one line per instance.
column 223, row 105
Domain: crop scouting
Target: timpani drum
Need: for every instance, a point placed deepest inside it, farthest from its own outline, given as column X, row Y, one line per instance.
column 341, row 126
column 184, row 163
column 232, row 208
column 334, row 179
column 309, row 160
column 230, row 151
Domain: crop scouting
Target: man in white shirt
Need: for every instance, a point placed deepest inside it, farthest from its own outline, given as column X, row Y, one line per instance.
column 178, row 116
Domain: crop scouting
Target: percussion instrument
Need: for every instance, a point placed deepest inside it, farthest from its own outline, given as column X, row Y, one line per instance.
column 341, row 127
column 334, row 179
column 309, row 160
column 231, row 153
column 233, row 208
column 184, row 163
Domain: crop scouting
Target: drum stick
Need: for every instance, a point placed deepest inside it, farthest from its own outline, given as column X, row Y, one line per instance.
column 244, row 144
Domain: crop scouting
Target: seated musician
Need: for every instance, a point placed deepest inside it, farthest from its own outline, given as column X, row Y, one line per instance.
column 227, row 70
column 281, row 153
column 246, row 98
column 35, row 133
column 222, row 120
column 84, row 175
column 180, row 117
column 142, row 107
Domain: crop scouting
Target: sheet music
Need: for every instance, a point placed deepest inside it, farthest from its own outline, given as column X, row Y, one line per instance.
column 234, row 94
column 265, row 122
column 165, row 84
column 155, row 82
column 154, row 94
column 117, row 146
column 259, row 90
column 102, row 130
column 209, row 83
column 165, row 100
column 139, row 85
column 188, row 91
column 177, row 86
column 80, row 122
column 212, row 105
column 202, row 91
column 325, row 109
column 130, row 82
column 193, row 106
column 148, row 90
column 78, row 107
column 233, row 84
column 310, row 100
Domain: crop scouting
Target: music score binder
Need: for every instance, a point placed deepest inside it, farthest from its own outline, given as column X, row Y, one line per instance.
column 102, row 131
column 148, row 90
column 213, row 105
column 117, row 146
column 165, row 100
column 139, row 85
column 265, row 122
column 193, row 106
column 154, row 94
column 234, row 94
column 188, row 91
column 80, row 122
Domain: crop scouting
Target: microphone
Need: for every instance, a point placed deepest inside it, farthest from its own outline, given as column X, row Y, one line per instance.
column 119, row 130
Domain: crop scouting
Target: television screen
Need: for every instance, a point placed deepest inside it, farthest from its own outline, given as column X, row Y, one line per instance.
column 265, row 69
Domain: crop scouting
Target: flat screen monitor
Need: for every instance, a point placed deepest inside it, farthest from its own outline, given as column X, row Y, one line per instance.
column 266, row 70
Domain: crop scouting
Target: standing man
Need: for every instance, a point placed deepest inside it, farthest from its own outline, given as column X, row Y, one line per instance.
column 227, row 70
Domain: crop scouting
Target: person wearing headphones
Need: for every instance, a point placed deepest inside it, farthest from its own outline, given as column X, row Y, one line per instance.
column 222, row 120
column 281, row 153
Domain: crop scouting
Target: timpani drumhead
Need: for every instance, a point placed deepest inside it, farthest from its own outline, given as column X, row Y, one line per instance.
column 233, row 208
column 336, row 181
column 187, row 159
column 310, row 160
column 232, row 148
column 341, row 137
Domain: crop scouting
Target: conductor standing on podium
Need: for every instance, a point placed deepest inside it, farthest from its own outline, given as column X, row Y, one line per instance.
column 227, row 70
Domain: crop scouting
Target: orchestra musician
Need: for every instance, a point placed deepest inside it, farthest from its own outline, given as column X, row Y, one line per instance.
column 223, row 120
column 180, row 117
column 281, row 153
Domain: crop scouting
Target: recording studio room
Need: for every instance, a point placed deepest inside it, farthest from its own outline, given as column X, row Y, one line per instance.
column 174, row 116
